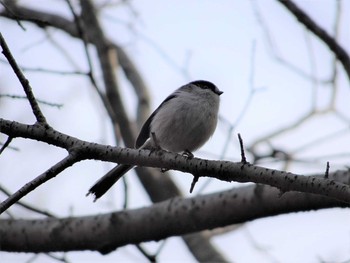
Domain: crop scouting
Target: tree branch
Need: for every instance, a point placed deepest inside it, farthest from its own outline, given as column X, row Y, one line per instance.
column 332, row 44
column 120, row 53
column 222, row 170
column 32, row 185
column 25, row 83
column 6, row 144
column 177, row 216
column 27, row 206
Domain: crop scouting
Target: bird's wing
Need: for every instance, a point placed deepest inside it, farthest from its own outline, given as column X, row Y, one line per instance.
column 146, row 128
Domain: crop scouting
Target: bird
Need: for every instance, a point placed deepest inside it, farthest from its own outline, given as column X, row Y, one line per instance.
column 183, row 122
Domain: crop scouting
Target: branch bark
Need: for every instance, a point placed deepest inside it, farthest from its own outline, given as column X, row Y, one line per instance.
column 221, row 170
column 176, row 216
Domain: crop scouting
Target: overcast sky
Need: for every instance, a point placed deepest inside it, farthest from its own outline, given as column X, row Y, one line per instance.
column 231, row 43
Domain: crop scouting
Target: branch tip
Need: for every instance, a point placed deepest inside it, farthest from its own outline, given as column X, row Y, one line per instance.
column 7, row 143
column 243, row 158
column 194, row 181
column 23, row 80
column 326, row 174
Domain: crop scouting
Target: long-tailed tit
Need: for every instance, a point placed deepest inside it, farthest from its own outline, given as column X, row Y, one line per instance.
column 183, row 122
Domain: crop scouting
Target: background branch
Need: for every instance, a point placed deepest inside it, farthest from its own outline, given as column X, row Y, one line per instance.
column 28, row 206
column 158, row 187
column 308, row 129
column 332, row 44
column 176, row 216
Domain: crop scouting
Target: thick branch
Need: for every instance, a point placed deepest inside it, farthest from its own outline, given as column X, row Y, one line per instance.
column 222, row 170
column 177, row 216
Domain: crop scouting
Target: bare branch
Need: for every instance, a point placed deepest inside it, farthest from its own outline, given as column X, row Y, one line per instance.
column 46, row 70
column 90, row 74
column 222, row 170
column 243, row 158
column 326, row 174
column 177, row 216
column 25, row 83
column 27, row 206
column 30, row 186
column 44, row 19
column 4, row 4
column 7, row 143
column 332, row 44
column 57, row 105
column 275, row 53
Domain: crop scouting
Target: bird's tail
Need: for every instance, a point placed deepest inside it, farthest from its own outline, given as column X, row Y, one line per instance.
column 108, row 180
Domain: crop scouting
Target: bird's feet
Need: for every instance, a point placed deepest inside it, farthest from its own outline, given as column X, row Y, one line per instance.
column 187, row 154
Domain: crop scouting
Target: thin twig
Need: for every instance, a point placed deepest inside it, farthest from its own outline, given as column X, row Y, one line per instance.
column 248, row 102
column 58, row 258
column 303, row 119
column 7, row 143
column 57, row 105
column 311, row 25
column 14, row 16
column 30, row 186
column 84, row 39
column 275, row 53
column 335, row 70
column 63, row 51
column 243, row 158
column 194, row 181
column 326, row 174
column 83, row 36
column 48, row 71
column 126, row 193
column 151, row 258
column 26, row 206
column 25, row 83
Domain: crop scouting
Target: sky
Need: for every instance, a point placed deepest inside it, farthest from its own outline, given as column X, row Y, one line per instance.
column 234, row 44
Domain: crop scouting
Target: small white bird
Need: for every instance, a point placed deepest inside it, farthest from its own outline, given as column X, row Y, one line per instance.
column 183, row 122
